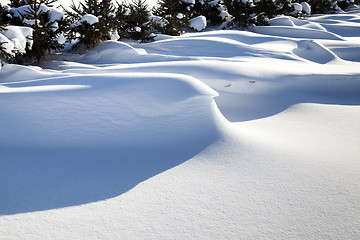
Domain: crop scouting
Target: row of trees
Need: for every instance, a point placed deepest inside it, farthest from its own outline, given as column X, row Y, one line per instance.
column 93, row 21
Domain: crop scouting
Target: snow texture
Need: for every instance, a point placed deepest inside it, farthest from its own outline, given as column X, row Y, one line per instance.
column 306, row 8
column 211, row 135
column 199, row 23
column 16, row 38
column 89, row 18
column 27, row 8
column 189, row 1
column 55, row 15
column 297, row 7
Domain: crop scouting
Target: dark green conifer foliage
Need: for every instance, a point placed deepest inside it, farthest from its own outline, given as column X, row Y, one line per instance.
column 3, row 22
column 45, row 31
column 197, row 9
column 139, row 25
column 3, row 18
column 284, row 7
column 212, row 12
column 321, row 6
column 243, row 13
column 87, row 34
column 343, row 4
column 122, row 19
column 175, row 13
column 266, row 9
column 208, row 9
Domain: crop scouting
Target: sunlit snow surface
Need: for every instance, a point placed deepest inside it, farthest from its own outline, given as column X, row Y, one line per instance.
column 214, row 135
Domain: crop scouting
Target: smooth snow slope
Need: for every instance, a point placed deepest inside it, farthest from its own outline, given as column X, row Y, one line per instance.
column 81, row 139
column 127, row 142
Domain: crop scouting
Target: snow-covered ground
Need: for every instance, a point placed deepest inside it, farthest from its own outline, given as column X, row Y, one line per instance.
column 214, row 135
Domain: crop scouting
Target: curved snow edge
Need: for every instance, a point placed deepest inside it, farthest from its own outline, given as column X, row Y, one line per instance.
column 108, row 110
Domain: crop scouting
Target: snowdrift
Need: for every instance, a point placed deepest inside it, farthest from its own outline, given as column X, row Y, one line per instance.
column 84, row 138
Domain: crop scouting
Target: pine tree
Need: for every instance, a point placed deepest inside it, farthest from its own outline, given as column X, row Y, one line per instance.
column 243, row 12
column 3, row 53
column 139, row 25
column 344, row 4
column 3, row 18
column 211, row 9
column 176, row 15
column 90, row 33
column 284, row 7
column 322, row 6
column 265, row 10
column 122, row 19
column 36, row 14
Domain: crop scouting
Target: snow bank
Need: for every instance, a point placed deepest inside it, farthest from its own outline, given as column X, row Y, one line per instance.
column 208, row 46
column 124, row 101
column 111, row 51
column 294, row 32
column 295, row 22
column 102, row 122
column 14, row 73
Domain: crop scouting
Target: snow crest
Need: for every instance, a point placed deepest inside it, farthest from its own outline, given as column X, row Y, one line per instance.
column 100, row 110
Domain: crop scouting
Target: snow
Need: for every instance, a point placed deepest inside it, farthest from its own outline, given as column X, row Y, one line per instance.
column 189, row 1
column 306, row 8
column 297, row 7
column 198, row 23
column 180, row 16
column 114, row 36
column 61, row 39
column 27, row 8
column 16, row 38
column 55, row 15
column 212, row 135
column 158, row 20
column 89, row 18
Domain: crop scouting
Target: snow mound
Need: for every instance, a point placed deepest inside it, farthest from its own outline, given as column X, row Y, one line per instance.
column 297, row 7
column 198, row 23
column 14, row 73
column 346, row 25
column 110, row 52
column 296, row 32
column 306, row 8
column 98, row 110
column 124, row 128
column 315, row 52
column 209, row 46
column 289, row 21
